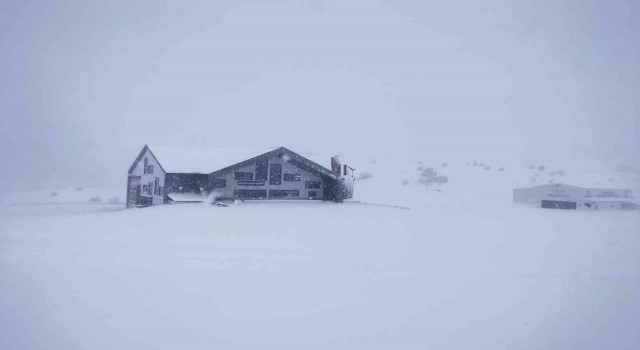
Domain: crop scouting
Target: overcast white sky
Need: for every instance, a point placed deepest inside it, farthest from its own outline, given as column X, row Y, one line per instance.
column 84, row 85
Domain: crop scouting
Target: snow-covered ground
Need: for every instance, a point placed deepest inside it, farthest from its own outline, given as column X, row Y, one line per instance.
column 463, row 268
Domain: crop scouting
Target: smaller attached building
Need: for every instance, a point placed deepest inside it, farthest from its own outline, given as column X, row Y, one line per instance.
column 146, row 180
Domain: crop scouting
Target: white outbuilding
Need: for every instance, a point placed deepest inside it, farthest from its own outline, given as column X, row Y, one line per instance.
column 561, row 196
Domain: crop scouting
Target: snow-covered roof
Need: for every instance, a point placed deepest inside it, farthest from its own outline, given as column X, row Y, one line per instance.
column 610, row 199
column 186, row 197
column 208, row 160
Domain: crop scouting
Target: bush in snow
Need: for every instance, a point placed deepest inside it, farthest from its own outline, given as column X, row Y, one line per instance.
column 429, row 176
column 444, row 165
column 405, row 182
column 501, row 169
column 420, row 168
column 53, row 194
column 364, row 176
column 487, row 168
column 541, row 168
column 95, row 199
column 78, row 188
column 625, row 168
column 114, row 200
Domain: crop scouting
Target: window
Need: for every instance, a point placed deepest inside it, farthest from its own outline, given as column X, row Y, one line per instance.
column 156, row 186
column 150, row 169
column 219, row 183
column 150, row 188
column 145, row 189
column 312, row 184
column 345, row 169
column 243, row 175
column 261, row 170
column 275, row 174
column 313, row 194
column 146, row 164
column 284, row 193
column 291, row 177
column 161, row 191
column 250, row 194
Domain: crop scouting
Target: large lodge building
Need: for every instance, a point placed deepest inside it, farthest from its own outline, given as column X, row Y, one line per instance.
column 167, row 175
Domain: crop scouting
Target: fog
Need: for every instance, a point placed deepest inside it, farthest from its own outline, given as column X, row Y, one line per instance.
column 86, row 84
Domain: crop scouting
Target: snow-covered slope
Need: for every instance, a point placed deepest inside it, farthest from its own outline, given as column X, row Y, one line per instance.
column 463, row 268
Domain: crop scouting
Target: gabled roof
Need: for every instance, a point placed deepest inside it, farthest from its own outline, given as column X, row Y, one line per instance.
column 139, row 157
column 200, row 160
column 221, row 160
column 558, row 184
column 290, row 156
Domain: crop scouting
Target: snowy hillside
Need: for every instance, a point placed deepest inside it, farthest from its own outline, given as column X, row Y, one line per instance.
column 461, row 268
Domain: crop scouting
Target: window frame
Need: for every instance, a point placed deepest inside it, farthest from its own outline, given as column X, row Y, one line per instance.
column 285, row 193
column 216, row 183
column 238, row 175
column 274, row 169
column 262, row 170
column 291, row 177
column 315, row 185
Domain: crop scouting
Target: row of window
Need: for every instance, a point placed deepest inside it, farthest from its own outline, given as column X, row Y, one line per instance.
column 245, row 180
column 275, row 174
column 259, row 194
column 291, row 177
column 148, row 169
column 153, row 187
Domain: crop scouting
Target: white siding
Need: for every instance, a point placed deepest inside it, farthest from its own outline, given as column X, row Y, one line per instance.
column 557, row 192
column 145, row 179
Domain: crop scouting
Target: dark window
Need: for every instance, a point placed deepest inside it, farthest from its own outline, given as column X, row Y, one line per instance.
column 312, row 184
column 275, row 175
column 291, row 177
column 146, row 164
column 261, row 170
column 161, row 191
column 150, row 187
column 313, row 194
column 156, row 187
column 345, row 169
column 150, row 169
column 243, row 175
column 250, row 194
column 145, row 189
column 219, row 183
column 284, row 193
column 558, row 204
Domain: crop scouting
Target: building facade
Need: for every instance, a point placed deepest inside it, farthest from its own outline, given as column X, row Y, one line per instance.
column 277, row 174
column 561, row 196
column 145, row 181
